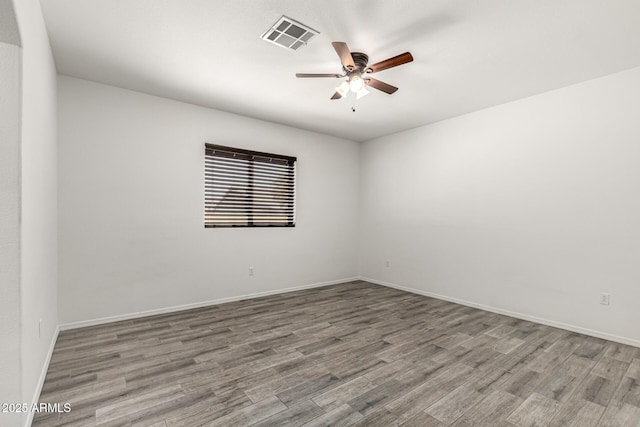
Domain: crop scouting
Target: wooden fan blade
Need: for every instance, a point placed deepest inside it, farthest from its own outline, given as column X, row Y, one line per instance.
column 305, row 75
column 345, row 54
column 377, row 84
column 403, row 58
column 336, row 96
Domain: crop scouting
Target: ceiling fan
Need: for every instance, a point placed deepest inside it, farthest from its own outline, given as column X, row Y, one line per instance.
column 355, row 68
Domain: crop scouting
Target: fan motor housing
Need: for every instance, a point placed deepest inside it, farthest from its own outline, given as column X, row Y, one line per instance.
column 360, row 60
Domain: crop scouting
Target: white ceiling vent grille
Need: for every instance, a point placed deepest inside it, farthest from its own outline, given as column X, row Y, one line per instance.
column 289, row 34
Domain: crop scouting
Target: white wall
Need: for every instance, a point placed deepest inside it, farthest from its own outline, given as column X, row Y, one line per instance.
column 9, row 228
column 39, row 272
column 131, row 206
column 28, row 209
column 9, row 32
column 531, row 207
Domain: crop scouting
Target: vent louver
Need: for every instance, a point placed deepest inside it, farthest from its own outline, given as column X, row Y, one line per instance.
column 289, row 34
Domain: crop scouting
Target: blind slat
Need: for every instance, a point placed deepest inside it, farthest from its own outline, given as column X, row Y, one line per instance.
column 248, row 172
column 246, row 180
column 242, row 162
column 264, row 208
column 239, row 165
column 235, row 187
column 245, row 174
column 273, row 198
column 263, row 201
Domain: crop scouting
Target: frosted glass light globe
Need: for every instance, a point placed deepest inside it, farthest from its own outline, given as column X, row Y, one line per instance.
column 356, row 83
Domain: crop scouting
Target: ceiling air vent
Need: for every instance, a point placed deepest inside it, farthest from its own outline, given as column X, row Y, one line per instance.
column 289, row 34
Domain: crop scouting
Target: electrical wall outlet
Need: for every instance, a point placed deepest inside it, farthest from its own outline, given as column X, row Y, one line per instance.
column 604, row 298
column 388, row 263
column 250, row 271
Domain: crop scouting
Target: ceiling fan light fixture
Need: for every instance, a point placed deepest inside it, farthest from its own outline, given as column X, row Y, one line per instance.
column 343, row 89
column 362, row 92
column 356, row 83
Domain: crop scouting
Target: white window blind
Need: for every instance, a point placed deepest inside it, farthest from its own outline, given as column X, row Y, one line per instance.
column 244, row 188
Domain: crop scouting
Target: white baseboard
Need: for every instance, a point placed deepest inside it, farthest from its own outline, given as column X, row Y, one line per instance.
column 572, row 328
column 43, row 374
column 100, row 321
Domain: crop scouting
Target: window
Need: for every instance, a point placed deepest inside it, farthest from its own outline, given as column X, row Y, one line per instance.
column 245, row 188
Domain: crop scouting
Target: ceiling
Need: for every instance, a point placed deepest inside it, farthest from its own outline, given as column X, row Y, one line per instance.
column 469, row 54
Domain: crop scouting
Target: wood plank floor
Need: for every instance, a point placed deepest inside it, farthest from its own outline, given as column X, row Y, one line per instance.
column 351, row 354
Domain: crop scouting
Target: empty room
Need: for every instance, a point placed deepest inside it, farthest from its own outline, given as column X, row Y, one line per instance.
column 319, row 213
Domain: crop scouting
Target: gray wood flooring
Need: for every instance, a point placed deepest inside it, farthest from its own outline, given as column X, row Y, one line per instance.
column 351, row 354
